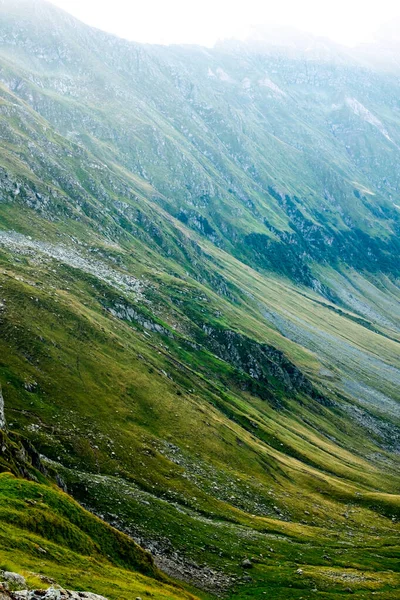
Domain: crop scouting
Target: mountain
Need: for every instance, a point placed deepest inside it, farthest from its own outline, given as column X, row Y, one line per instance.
column 199, row 310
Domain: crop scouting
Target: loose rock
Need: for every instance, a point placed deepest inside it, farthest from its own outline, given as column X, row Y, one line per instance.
column 247, row 564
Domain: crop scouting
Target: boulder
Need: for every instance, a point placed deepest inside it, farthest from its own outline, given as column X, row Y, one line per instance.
column 14, row 580
column 2, row 416
column 247, row 564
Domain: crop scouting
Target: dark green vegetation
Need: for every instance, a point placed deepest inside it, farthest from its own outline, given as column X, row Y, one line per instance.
column 199, row 317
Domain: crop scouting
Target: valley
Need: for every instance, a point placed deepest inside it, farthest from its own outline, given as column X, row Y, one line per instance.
column 199, row 317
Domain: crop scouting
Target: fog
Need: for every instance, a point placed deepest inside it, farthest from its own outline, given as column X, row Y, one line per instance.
column 348, row 22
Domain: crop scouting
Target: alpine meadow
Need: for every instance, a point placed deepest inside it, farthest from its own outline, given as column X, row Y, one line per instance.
column 199, row 316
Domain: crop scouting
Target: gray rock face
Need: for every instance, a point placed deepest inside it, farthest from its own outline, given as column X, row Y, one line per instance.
column 13, row 579
column 54, row 593
column 18, row 590
column 2, row 416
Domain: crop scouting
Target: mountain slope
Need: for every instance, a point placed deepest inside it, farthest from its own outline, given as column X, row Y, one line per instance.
column 199, row 304
column 278, row 171
column 47, row 535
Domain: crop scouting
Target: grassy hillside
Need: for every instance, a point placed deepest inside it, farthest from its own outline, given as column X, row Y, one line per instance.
column 199, row 316
column 175, row 446
column 280, row 160
column 46, row 536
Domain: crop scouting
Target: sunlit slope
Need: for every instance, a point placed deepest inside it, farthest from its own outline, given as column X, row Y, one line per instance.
column 47, row 537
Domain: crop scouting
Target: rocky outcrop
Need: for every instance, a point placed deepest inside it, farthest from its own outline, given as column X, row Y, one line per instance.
column 262, row 369
column 2, row 415
column 13, row 586
column 14, row 580
column 19, row 457
column 55, row 594
column 126, row 312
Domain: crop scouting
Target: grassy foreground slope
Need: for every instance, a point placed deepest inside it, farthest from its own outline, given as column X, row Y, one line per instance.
column 47, row 537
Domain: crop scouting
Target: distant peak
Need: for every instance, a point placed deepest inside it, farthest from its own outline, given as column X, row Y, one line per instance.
column 286, row 41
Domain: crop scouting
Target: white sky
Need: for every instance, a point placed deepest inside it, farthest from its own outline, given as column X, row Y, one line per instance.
column 206, row 21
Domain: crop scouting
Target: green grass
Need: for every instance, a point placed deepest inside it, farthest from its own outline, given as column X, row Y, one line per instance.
column 164, row 420
column 104, row 408
column 43, row 532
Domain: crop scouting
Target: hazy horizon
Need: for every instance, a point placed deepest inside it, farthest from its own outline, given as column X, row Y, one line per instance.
column 345, row 22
